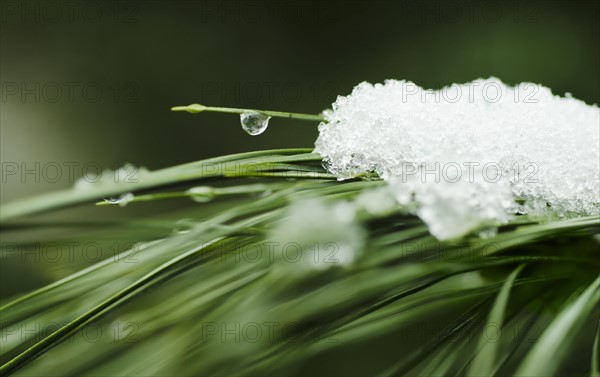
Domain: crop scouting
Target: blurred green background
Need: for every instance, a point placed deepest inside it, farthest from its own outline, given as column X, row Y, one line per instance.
column 91, row 83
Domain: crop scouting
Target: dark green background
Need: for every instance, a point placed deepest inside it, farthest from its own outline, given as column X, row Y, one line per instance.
column 156, row 54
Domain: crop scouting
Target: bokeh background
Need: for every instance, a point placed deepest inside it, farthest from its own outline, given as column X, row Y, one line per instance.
column 88, row 85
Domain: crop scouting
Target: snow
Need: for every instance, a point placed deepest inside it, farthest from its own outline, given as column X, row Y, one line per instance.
column 469, row 156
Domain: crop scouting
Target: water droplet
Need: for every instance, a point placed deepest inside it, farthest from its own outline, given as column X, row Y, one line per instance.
column 122, row 200
column 112, row 200
column 201, row 194
column 254, row 123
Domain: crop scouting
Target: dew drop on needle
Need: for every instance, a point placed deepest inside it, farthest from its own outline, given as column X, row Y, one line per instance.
column 254, row 123
column 122, row 200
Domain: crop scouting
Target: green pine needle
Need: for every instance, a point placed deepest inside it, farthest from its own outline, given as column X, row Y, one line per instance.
column 195, row 281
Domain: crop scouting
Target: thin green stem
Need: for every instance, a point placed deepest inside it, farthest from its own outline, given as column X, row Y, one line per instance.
column 197, row 108
column 243, row 163
column 206, row 192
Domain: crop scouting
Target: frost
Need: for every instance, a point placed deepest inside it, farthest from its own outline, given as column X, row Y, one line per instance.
column 469, row 156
